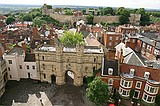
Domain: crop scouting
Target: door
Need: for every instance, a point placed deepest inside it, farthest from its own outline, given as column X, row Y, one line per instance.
column 136, row 94
column 29, row 75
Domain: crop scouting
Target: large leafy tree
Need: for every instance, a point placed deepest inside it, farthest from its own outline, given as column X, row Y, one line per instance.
column 90, row 19
column 70, row 38
column 98, row 92
column 27, row 17
column 38, row 22
column 157, row 100
column 124, row 15
column 10, row 19
column 144, row 16
column 107, row 11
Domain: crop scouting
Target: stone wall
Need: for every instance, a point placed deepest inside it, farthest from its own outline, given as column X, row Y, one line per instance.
column 108, row 19
column 57, row 63
column 72, row 19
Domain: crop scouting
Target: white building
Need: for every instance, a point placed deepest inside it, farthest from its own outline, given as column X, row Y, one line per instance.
column 14, row 61
column 30, row 66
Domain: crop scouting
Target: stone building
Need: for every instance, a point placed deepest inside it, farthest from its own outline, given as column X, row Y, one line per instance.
column 3, row 76
column 56, row 63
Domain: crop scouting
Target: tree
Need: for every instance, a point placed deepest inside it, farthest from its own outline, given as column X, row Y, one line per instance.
column 49, row 7
column 10, row 19
column 27, row 17
column 106, row 11
column 124, row 15
column 98, row 92
column 70, row 38
column 90, row 19
column 157, row 101
column 144, row 16
column 38, row 22
column 68, row 12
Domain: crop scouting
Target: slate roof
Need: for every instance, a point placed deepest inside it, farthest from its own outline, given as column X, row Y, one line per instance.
column 133, row 59
column 17, row 49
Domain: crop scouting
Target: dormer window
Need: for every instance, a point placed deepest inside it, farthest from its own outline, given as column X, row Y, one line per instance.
column 132, row 72
column 146, row 75
column 110, row 71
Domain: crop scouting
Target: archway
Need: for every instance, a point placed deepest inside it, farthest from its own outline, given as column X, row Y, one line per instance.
column 53, row 79
column 74, row 24
column 69, row 77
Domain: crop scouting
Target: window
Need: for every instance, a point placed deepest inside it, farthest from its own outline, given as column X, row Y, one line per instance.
column 123, row 92
column 146, row 75
column 148, row 98
column 33, row 67
column 132, row 72
column 110, row 43
column 117, row 37
column 156, row 52
column 149, row 47
column 9, row 69
column 44, row 76
column 94, row 60
column 27, row 66
column 20, row 66
column 144, row 45
column 43, row 66
column 110, row 38
column 42, row 57
column 110, row 81
column 10, row 76
column 138, row 84
column 10, row 61
column 150, row 89
column 126, row 84
column 110, row 71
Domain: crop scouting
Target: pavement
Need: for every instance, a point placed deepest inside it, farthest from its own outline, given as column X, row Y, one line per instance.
column 28, row 93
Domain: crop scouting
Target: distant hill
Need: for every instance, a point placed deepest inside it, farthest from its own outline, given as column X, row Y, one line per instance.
column 7, row 8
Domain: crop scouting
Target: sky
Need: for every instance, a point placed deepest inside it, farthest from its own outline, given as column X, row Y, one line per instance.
column 150, row 4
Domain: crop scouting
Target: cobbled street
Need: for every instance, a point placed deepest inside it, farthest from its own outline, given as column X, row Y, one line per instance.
column 30, row 93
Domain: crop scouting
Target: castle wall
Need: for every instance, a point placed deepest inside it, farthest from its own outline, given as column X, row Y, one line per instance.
column 108, row 19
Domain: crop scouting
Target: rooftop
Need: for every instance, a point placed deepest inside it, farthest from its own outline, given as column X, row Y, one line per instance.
column 87, row 49
column 16, row 50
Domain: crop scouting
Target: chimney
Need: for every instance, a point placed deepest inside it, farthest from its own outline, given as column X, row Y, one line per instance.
column 121, row 56
column 52, row 41
column 155, row 42
column 34, row 30
column 24, row 46
column 1, row 54
column 127, row 44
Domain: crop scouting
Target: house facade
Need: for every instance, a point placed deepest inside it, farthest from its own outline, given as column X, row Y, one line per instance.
column 14, row 61
column 30, row 66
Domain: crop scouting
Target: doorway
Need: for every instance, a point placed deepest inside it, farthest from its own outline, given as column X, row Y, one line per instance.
column 29, row 75
column 53, row 79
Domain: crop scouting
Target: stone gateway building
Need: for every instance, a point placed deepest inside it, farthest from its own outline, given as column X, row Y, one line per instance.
column 67, row 64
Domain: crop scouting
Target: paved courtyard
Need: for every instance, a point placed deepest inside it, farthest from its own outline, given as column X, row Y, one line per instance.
column 30, row 93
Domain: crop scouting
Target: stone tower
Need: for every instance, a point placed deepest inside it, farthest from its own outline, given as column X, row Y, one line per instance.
column 59, row 65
